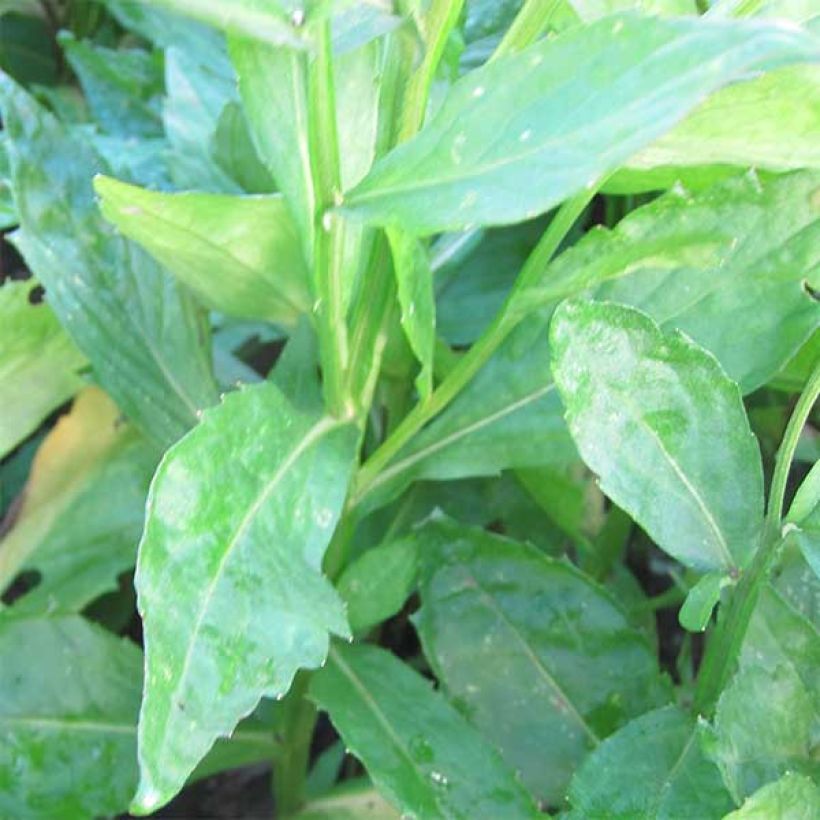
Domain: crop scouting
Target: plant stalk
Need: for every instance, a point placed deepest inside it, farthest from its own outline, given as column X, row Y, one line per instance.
column 724, row 648
column 529, row 24
column 291, row 766
column 328, row 271
column 477, row 356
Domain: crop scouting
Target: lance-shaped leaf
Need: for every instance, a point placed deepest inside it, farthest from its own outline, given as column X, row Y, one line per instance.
column 38, row 364
column 69, row 696
column 82, row 511
column 539, row 657
column 143, row 336
column 654, row 769
column 770, row 122
column 240, row 255
column 229, row 574
column 420, row 752
column 521, row 134
column 793, row 797
column 664, row 427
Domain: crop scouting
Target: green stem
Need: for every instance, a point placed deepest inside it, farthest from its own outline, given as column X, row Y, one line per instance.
column 724, row 647
column 477, row 356
column 328, row 256
column 530, row 23
column 438, row 23
column 291, row 767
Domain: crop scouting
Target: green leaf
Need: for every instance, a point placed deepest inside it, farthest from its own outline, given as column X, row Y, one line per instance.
column 420, row 752
column 663, row 426
column 541, row 660
column 38, row 364
column 122, row 86
column 502, row 147
column 793, row 797
column 743, row 248
column 654, row 769
column 273, row 87
column 753, row 745
column 69, row 695
column 414, row 281
column 239, row 255
column 229, row 574
column 377, row 585
column 143, row 336
column 82, row 509
column 696, row 611
column 771, row 122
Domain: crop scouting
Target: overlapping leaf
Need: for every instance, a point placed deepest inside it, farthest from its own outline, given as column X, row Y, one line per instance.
column 520, row 135
column 425, row 758
column 653, row 768
column 143, row 336
column 229, row 573
column 240, row 255
column 541, row 659
column 664, row 427
column 82, row 510
column 69, row 695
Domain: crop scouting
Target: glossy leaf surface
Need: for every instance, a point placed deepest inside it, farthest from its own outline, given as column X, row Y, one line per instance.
column 239, row 255
column 38, row 364
column 142, row 335
column 82, row 510
column 653, row 768
column 539, row 657
column 427, row 760
column 69, row 695
column 771, row 122
column 663, row 426
column 520, row 135
column 229, row 573
column 745, row 248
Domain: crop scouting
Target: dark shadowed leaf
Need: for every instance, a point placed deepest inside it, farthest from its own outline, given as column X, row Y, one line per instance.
column 537, row 656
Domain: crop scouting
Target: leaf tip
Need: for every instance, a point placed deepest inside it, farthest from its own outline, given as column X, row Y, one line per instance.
column 147, row 799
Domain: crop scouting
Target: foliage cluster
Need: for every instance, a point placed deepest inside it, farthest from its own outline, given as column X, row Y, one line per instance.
column 436, row 380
